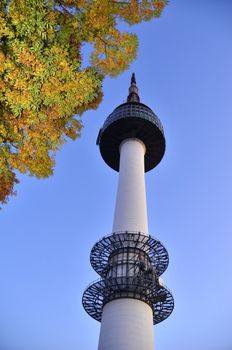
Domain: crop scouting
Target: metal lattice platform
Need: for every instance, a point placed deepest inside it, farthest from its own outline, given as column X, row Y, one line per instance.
column 154, row 294
column 102, row 250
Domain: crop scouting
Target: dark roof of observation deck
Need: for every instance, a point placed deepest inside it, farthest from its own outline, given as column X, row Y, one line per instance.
column 132, row 119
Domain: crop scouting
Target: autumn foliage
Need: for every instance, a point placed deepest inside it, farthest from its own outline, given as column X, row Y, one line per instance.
column 44, row 87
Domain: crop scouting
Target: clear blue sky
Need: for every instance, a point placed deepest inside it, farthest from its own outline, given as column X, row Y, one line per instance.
column 184, row 73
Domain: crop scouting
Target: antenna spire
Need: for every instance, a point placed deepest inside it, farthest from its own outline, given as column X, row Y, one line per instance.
column 133, row 91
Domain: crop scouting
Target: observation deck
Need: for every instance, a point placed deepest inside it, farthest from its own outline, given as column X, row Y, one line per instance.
column 132, row 120
column 130, row 264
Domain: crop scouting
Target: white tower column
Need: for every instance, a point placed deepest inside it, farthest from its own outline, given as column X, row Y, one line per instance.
column 131, row 208
column 127, row 324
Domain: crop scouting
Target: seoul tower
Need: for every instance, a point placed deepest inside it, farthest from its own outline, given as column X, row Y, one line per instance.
column 129, row 298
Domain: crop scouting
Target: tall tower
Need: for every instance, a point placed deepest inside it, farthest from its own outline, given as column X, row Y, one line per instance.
column 129, row 298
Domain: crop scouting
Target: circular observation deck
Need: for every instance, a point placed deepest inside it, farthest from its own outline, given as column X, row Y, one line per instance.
column 137, row 241
column 132, row 120
column 101, row 292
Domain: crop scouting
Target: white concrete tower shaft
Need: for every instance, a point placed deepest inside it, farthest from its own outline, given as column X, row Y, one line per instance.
column 131, row 208
column 127, row 324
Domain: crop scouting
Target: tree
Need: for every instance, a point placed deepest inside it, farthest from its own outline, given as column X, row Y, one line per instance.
column 43, row 87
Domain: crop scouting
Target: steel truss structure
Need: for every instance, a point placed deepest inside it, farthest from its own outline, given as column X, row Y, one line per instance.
column 130, row 264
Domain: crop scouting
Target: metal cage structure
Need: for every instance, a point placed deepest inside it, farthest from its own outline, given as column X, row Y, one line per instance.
column 130, row 264
column 102, row 250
